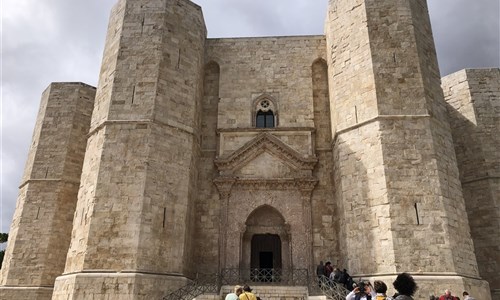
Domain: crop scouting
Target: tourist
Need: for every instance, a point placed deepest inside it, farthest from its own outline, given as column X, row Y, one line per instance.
column 320, row 272
column 235, row 294
column 328, row 269
column 405, row 285
column 381, row 289
column 447, row 296
column 467, row 296
column 335, row 276
column 247, row 293
column 363, row 291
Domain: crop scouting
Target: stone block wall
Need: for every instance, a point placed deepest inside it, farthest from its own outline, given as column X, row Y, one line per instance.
column 240, row 71
column 136, row 202
column 41, row 229
column 473, row 99
column 359, row 170
column 396, row 176
column 324, row 220
column 277, row 66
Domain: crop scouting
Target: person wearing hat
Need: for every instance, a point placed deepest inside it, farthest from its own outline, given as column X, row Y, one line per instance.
column 234, row 296
column 247, row 293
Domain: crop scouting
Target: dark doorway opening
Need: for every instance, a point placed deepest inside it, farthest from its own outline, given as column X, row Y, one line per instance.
column 266, row 258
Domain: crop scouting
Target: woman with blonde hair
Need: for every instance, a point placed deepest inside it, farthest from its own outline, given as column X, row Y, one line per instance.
column 235, row 294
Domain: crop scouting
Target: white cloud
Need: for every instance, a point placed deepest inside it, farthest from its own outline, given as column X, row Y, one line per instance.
column 27, row 22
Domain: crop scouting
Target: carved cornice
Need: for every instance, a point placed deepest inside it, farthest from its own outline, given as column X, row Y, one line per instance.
column 302, row 184
column 306, row 185
column 265, row 142
column 274, row 129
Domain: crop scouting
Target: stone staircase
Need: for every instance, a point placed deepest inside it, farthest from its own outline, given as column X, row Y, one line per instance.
column 268, row 292
column 296, row 285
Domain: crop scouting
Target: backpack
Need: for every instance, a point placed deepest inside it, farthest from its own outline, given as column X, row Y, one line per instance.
column 349, row 282
column 343, row 277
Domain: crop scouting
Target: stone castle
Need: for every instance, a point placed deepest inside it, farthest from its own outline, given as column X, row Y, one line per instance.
column 206, row 155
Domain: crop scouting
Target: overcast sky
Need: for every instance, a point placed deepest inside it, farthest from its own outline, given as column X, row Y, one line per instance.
column 45, row 41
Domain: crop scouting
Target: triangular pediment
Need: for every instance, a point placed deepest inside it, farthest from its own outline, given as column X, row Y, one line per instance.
column 265, row 166
column 265, row 156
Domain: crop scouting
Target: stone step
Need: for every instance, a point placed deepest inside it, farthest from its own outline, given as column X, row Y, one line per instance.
column 266, row 292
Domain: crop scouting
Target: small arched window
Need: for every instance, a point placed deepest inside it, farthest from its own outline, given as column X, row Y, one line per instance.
column 264, row 114
column 264, row 119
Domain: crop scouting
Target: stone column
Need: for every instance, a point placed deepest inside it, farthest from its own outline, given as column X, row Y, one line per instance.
column 306, row 186
column 224, row 186
column 400, row 200
column 41, row 229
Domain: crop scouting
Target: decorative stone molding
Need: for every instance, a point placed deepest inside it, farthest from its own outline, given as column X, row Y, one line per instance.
column 224, row 186
column 265, row 102
column 306, row 186
column 264, row 142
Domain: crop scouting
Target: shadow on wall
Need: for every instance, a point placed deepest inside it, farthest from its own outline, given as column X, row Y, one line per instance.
column 477, row 157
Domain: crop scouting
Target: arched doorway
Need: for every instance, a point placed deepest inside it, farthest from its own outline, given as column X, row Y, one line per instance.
column 265, row 257
column 266, row 244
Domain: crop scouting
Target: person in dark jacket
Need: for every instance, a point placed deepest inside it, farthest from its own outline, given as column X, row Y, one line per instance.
column 320, row 272
column 406, row 286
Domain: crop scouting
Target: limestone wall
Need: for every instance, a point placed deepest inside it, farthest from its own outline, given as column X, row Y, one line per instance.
column 396, row 176
column 41, row 228
column 324, row 219
column 277, row 66
column 135, row 205
column 241, row 71
column 473, row 98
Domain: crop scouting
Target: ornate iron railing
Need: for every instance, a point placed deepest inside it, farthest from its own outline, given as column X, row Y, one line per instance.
column 212, row 283
column 331, row 289
column 265, row 276
column 204, row 283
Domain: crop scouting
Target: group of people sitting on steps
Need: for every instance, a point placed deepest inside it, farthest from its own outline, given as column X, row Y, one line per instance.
column 242, row 293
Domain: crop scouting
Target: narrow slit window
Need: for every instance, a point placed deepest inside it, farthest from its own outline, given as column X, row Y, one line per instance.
column 416, row 212
column 164, row 216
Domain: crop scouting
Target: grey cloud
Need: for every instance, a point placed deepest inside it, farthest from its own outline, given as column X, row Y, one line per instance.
column 60, row 40
column 43, row 42
column 467, row 33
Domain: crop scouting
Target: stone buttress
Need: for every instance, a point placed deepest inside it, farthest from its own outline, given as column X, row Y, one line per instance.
column 132, row 228
column 397, row 182
column 41, row 229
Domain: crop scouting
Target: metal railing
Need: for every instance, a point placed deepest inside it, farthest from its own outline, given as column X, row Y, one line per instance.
column 284, row 277
column 212, row 283
column 204, row 283
column 331, row 289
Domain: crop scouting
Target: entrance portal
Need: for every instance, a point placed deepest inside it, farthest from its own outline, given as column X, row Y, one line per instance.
column 265, row 245
column 265, row 259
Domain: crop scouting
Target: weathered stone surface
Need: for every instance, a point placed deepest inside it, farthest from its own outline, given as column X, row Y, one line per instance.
column 41, row 229
column 473, row 98
column 356, row 166
column 399, row 194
